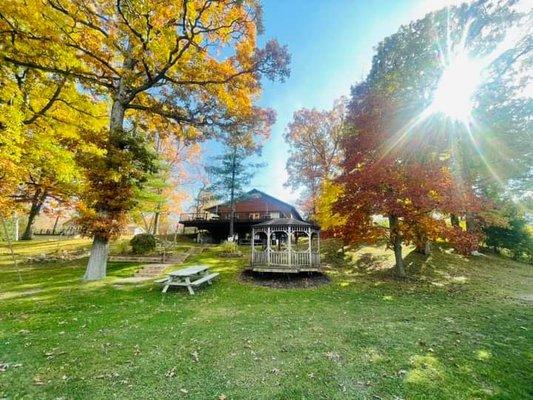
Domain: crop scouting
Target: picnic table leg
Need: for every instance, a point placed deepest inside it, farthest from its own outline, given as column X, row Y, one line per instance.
column 167, row 285
column 189, row 286
column 204, row 273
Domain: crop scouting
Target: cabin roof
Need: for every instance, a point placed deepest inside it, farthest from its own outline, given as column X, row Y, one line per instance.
column 284, row 221
column 247, row 195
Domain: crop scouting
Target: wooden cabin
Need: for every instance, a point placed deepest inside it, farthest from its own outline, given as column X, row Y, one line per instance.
column 253, row 207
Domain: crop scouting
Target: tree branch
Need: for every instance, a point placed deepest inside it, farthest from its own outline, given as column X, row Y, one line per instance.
column 47, row 106
column 93, row 78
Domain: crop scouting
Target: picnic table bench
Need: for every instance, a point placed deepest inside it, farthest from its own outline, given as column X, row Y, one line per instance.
column 191, row 276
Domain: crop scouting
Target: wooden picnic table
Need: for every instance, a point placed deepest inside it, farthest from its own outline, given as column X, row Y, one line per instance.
column 191, row 276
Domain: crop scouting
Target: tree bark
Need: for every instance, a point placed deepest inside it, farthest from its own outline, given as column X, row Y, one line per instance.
column 55, row 225
column 96, row 268
column 424, row 247
column 232, row 217
column 35, row 209
column 156, row 223
column 454, row 220
column 97, row 265
column 471, row 223
column 396, row 241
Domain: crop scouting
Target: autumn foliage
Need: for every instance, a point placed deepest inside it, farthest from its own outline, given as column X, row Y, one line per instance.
column 194, row 65
column 412, row 186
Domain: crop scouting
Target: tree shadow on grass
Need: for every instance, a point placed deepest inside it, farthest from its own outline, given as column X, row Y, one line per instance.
column 441, row 268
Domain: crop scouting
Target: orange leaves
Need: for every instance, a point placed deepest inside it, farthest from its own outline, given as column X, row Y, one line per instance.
column 314, row 138
column 187, row 69
column 416, row 187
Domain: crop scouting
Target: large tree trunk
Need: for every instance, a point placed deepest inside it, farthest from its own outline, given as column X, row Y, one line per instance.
column 232, row 195
column 35, row 209
column 96, row 268
column 396, row 241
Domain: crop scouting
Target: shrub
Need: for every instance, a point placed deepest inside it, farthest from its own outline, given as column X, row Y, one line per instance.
column 512, row 235
column 463, row 242
column 121, row 247
column 229, row 248
column 333, row 250
column 143, row 243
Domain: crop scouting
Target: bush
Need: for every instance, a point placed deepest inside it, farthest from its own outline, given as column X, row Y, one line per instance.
column 333, row 250
column 462, row 241
column 121, row 247
column 229, row 248
column 512, row 236
column 143, row 243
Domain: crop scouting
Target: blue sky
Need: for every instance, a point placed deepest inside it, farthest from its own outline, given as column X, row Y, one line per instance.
column 331, row 44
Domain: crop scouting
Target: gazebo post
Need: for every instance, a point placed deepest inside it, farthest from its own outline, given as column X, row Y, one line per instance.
column 268, row 246
column 310, row 235
column 318, row 245
column 289, row 231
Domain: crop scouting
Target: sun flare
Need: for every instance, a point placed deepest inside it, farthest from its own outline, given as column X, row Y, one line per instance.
column 454, row 96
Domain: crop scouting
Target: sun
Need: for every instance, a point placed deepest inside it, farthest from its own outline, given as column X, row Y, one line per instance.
column 454, row 96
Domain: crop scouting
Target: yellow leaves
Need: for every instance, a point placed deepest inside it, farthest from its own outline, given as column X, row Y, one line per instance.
column 325, row 216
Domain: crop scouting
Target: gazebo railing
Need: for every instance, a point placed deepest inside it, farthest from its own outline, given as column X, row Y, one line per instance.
column 297, row 258
column 260, row 257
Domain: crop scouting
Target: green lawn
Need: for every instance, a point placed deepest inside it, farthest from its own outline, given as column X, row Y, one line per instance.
column 461, row 329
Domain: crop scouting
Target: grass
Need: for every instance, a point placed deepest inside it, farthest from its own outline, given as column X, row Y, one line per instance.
column 460, row 329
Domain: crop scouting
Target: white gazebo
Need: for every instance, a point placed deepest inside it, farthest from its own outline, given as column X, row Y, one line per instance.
column 281, row 250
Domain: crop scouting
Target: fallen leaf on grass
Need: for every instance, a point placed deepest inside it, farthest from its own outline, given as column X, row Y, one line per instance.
column 194, row 356
column 333, row 356
column 171, row 372
column 38, row 381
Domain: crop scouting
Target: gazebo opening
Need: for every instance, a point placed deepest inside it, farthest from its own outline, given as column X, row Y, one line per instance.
column 285, row 245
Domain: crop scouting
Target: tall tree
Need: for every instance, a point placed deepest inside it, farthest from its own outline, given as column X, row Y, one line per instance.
column 407, row 185
column 314, row 140
column 459, row 77
column 163, row 194
column 55, row 119
column 231, row 172
column 193, row 62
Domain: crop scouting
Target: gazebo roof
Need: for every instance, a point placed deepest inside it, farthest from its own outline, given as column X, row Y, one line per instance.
column 285, row 222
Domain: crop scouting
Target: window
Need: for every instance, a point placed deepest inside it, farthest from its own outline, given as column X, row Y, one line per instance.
column 255, row 215
column 274, row 214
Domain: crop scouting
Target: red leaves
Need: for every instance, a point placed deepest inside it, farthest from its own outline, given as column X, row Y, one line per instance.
column 462, row 241
column 412, row 182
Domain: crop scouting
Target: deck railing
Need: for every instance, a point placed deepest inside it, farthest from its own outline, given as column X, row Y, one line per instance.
column 225, row 216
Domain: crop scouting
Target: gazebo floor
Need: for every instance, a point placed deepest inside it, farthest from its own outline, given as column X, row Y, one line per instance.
column 283, row 269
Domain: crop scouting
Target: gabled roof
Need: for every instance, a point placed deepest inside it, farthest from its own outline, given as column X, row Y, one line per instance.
column 284, row 221
column 255, row 191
